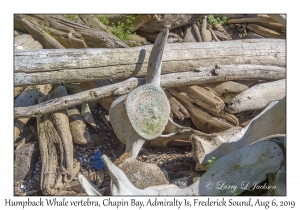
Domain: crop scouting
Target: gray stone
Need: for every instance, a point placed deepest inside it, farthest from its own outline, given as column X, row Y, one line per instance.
column 25, row 160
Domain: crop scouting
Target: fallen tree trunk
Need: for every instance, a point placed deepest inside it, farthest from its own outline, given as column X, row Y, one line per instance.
column 56, row 147
column 205, row 75
column 91, row 36
column 27, row 98
column 251, row 20
column 159, row 22
column 278, row 18
column 79, row 65
column 258, row 96
column 265, row 32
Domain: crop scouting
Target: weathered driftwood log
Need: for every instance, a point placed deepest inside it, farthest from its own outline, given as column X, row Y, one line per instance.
column 243, row 136
column 79, row 65
column 79, row 131
column 192, row 33
column 104, row 102
column 252, row 163
column 42, row 36
column 16, row 33
column 250, row 20
column 278, row 18
column 91, row 36
column 228, row 90
column 258, row 96
column 26, row 42
column 196, row 31
column 205, row 33
column 74, row 88
column 135, row 40
column 199, row 76
column 233, row 16
column 265, row 32
column 92, row 22
column 204, row 97
column 223, row 73
column 27, row 98
column 189, row 36
column 56, row 149
column 221, row 29
column 79, row 98
column 214, row 35
column 251, row 34
column 177, row 108
column 66, row 37
column 148, row 36
column 159, row 22
column 273, row 26
column 204, row 121
column 218, row 35
column 87, row 116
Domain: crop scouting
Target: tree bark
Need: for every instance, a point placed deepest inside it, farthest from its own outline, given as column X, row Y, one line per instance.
column 204, row 75
column 71, row 65
column 56, row 149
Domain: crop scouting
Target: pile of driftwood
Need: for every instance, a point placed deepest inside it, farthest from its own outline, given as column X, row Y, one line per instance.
column 203, row 86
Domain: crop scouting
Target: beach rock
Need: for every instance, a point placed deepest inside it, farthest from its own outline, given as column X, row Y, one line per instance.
column 25, row 160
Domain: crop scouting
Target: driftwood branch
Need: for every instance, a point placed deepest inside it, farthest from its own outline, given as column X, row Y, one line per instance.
column 251, row 20
column 79, row 98
column 258, row 96
column 202, row 75
column 265, row 32
column 79, row 65
column 278, row 18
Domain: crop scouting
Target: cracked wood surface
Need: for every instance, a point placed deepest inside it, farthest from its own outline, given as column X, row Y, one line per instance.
column 79, row 65
column 202, row 75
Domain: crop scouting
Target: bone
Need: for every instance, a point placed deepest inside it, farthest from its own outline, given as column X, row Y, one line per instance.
column 272, row 119
column 88, row 187
column 251, row 163
column 128, row 121
column 155, row 58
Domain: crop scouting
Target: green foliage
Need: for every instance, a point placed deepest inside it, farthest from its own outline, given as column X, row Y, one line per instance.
column 122, row 30
column 104, row 20
column 33, row 88
column 235, row 193
column 42, row 23
column 70, row 17
column 15, row 166
column 211, row 162
column 214, row 21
